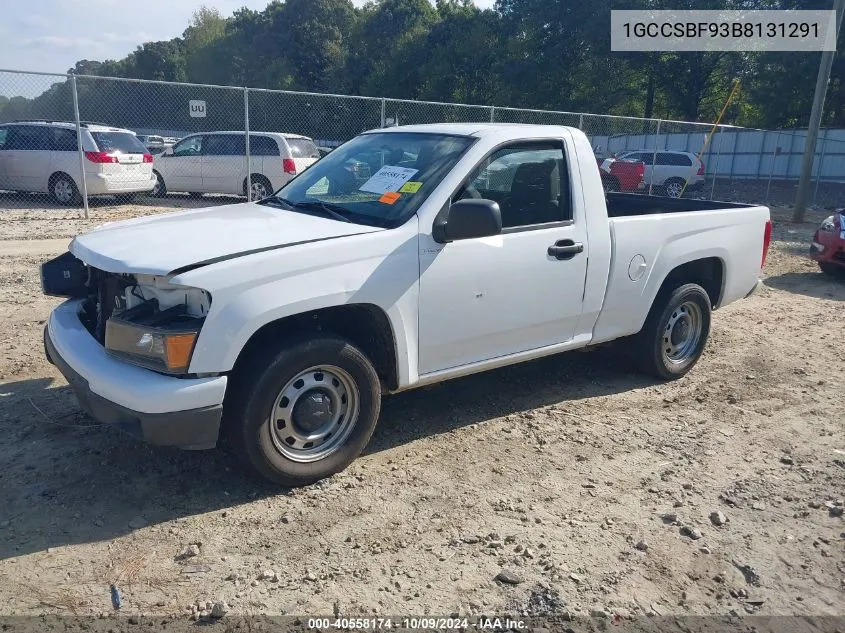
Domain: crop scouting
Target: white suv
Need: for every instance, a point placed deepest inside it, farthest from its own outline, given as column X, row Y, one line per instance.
column 215, row 162
column 43, row 157
column 672, row 171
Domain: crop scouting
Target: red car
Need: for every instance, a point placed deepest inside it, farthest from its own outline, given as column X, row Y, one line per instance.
column 828, row 245
column 622, row 175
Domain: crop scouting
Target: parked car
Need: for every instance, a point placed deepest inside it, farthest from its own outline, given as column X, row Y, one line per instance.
column 154, row 144
column 828, row 245
column 43, row 157
column 286, row 320
column 622, row 175
column 151, row 139
column 215, row 162
column 324, row 151
column 672, row 171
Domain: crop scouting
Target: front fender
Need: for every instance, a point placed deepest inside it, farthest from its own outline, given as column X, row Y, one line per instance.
column 380, row 269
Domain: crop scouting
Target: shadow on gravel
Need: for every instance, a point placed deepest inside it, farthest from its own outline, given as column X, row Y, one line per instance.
column 476, row 399
column 810, row 284
column 65, row 479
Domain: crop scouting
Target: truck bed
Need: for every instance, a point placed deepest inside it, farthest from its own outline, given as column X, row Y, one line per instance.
column 628, row 204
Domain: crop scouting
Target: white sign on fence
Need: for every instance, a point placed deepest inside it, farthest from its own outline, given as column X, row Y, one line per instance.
column 197, row 109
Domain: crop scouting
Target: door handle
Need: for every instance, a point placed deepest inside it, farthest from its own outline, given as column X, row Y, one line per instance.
column 565, row 249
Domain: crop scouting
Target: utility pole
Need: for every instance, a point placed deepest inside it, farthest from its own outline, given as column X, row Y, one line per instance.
column 815, row 121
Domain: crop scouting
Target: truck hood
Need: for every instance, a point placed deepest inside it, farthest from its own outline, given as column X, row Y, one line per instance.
column 164, row 244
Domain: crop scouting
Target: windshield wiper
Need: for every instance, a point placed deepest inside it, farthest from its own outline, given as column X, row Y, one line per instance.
column 332, row 210
column 327, row 209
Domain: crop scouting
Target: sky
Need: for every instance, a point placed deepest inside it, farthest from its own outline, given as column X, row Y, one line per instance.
column 51, row 35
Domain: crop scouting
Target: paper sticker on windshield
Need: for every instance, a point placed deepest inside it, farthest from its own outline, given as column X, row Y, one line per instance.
column 390, row 197
column 411, row 187
column 387, row 179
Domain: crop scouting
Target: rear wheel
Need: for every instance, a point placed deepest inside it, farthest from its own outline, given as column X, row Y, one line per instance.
column 832, row 270
column 260, row 187
column 675, row 332
column 64, row 191
column 303, row 411
column 674, row 187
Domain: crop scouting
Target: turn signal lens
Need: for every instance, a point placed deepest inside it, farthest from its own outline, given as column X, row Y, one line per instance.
column 178, row 349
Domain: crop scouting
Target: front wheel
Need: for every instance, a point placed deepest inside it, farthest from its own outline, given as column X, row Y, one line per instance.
column 304, row 411
column 160, row 189
column 675, row 332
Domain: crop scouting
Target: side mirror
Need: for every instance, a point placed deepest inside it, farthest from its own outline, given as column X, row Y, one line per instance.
column 469, row 219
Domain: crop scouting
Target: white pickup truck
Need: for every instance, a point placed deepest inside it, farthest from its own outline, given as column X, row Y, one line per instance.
column 405, row 257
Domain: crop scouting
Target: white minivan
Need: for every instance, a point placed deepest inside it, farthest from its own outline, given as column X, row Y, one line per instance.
column 215, row 162
column 672, row 171
column 43, row 157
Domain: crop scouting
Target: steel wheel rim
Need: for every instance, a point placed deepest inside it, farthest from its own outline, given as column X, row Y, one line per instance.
column 682, row 333
column 673, row 189
column 314, row 413
column 63, row 191
column 259, row 191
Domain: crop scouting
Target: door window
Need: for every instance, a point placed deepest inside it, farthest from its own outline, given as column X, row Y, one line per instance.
column 225, row 145
column 263, row 146
column 189, row 147
column 529, row 182
column 64, row 140
column 28, row 137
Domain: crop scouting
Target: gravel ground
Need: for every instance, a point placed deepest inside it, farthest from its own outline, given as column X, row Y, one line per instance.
column 594, row 489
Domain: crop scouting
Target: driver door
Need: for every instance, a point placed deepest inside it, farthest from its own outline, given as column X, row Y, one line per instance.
column 490, row 297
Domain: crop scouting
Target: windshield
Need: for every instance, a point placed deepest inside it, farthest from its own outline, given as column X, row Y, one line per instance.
column 379, row 179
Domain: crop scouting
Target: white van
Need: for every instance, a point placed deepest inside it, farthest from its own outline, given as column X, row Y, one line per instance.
column 215, row 162
column 673, row 172
column 43, row 157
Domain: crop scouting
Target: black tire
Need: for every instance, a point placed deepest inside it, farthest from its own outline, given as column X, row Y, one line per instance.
column 256, row 387
column 125, row 198
column 259, row 183
column 832, row 270
column 689, row 303
column 610, row 184
column 160, row 190
column 63, row 190
column 673, row 187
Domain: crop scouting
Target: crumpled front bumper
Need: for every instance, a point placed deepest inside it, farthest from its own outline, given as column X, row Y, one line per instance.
column 161, row 410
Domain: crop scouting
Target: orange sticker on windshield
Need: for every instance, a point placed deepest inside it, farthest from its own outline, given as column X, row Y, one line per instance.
column 390, row 197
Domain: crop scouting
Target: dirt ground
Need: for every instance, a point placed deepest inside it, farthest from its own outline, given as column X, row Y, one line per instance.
column 593, row 485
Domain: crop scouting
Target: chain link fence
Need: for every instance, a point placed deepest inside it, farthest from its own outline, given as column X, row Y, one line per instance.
column 152, row 143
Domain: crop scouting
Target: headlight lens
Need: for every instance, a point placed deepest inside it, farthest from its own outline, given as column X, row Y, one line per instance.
column 828, row 225
column 165, row 349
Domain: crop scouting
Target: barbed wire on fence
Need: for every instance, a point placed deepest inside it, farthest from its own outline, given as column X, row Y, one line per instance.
column 224, row 132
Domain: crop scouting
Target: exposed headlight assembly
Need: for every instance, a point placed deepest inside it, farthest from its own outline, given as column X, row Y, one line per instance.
column 159, row 340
